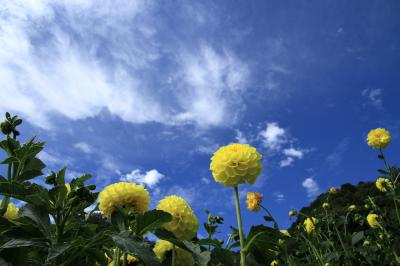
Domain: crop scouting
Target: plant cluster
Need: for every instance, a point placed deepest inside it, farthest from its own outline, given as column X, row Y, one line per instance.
column 58, row 225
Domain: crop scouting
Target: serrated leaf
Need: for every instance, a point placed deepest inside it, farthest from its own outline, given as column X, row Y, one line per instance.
column 151, row 220
column 127, row 243
column 39, row 216
column 17, row 243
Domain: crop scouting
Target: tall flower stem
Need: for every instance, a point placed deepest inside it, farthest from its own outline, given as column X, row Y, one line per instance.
column 239, row 220
column 173, row 255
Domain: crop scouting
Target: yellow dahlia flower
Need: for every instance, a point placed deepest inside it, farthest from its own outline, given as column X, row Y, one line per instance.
column 68, row 187
column 352, row 207
column 123, row 194
column 274, row 263
column 184, row 222
column 253, row 201
column 332, row 191
column 182, row 257
column 131, row 260
column 309, row 224
column 11, row 212
column 372, row 220
column 236, row 164
column 378, row 138
column 285, row 232
column 383, row 184
column 325, row 205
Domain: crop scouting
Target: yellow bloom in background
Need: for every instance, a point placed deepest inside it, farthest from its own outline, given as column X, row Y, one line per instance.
column 292, row 213
column 285, row 232
column 309, row 224
column 182, row 257
column 332, row 191
column 253, row 200
column 325, row 205
column 11, row 212
column 382, row 184
column 68, row 187
column 236, row 164
column 372, row 219
column 274, row 263
column 123, row 194
column 378, row 138
column 131, row 260
column 184, row 224
column 352, row 207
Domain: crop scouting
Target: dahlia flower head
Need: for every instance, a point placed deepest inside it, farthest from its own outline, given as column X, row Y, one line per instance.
column 382, row 184
column 285, row 232
column 332, row 191
column 325, row 205
column 352, row 207
column 274, row 263
column 372, row 220
column 378, row 138
column 131, row 260
column 184, row 224
column 182, row 257
column 309, row 224
column 253, row 201
column 235, row 164
column 123, row 194
column 11, row 212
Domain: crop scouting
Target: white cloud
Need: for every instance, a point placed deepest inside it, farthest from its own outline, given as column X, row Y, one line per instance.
column 273, row 136
column 291, row 154
column 374, row 97
column 240, row 137
column 207, row 149
column 151, row 178
column 84, row 147
column 205, row 180
column 279, row 197
column 311, row 187
column 93, row 64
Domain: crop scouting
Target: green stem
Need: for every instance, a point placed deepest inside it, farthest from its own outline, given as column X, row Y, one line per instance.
column 270, row 215
column 116, row 257
column 125, row 262
column 397, row 210
column 239, row 220
column 173, row 255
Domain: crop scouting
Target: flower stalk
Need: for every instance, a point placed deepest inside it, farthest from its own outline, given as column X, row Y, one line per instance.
column 239, row 220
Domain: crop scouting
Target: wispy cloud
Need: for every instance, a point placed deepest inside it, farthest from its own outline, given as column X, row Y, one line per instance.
column 374, row 97
column 273, row 137
column 279, row 197
column 84, row 147
column 240, row 137
column 291, row 154
column 311, row 187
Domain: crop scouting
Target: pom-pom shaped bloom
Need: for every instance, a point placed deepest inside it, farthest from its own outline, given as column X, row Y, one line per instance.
column 182, row 257
column 274, row 263
column 184, row 222
column 11, row 212
column 309, row 224
column 253, row 200
column 372, row 220
column 292, row 213
column 332, row 191
column 325, row 205
column 131, row 260
column 236, row 164
column 378, row 138
column 352, row 207
column 123, row 194
column 383, row 184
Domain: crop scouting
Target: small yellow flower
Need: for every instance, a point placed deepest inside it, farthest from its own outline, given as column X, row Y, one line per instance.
column 366, row 243
column 285, row 232
column 123, row 194
column 372, row 219
column 366, row 206
column 352, row 207
column 309, row 224
column 383, row 184
column 235, row 164
column 325, row 205
column 292, row 213
column 274, row 263
column 332, row 191
column 182, row 258
column 68, row 187
column 253, row 201
column 184, row 222
column 131, row 260
column 378, row 138
column 11, row 212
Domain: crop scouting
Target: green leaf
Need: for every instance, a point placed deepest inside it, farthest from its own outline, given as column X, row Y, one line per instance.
column 211, row 242
column 61, row 176
column 10, row 159
column 128, row 243
column 261, row 236
column 223, row 257
column 57, row 250
column 118, row 219
column 17, row 243
column 357, row 237
column 31, row 193
column 151, row 220
column 268, row 218
column 39, row 216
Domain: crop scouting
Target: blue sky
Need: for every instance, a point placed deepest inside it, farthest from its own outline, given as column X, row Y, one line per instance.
column 146, row 91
